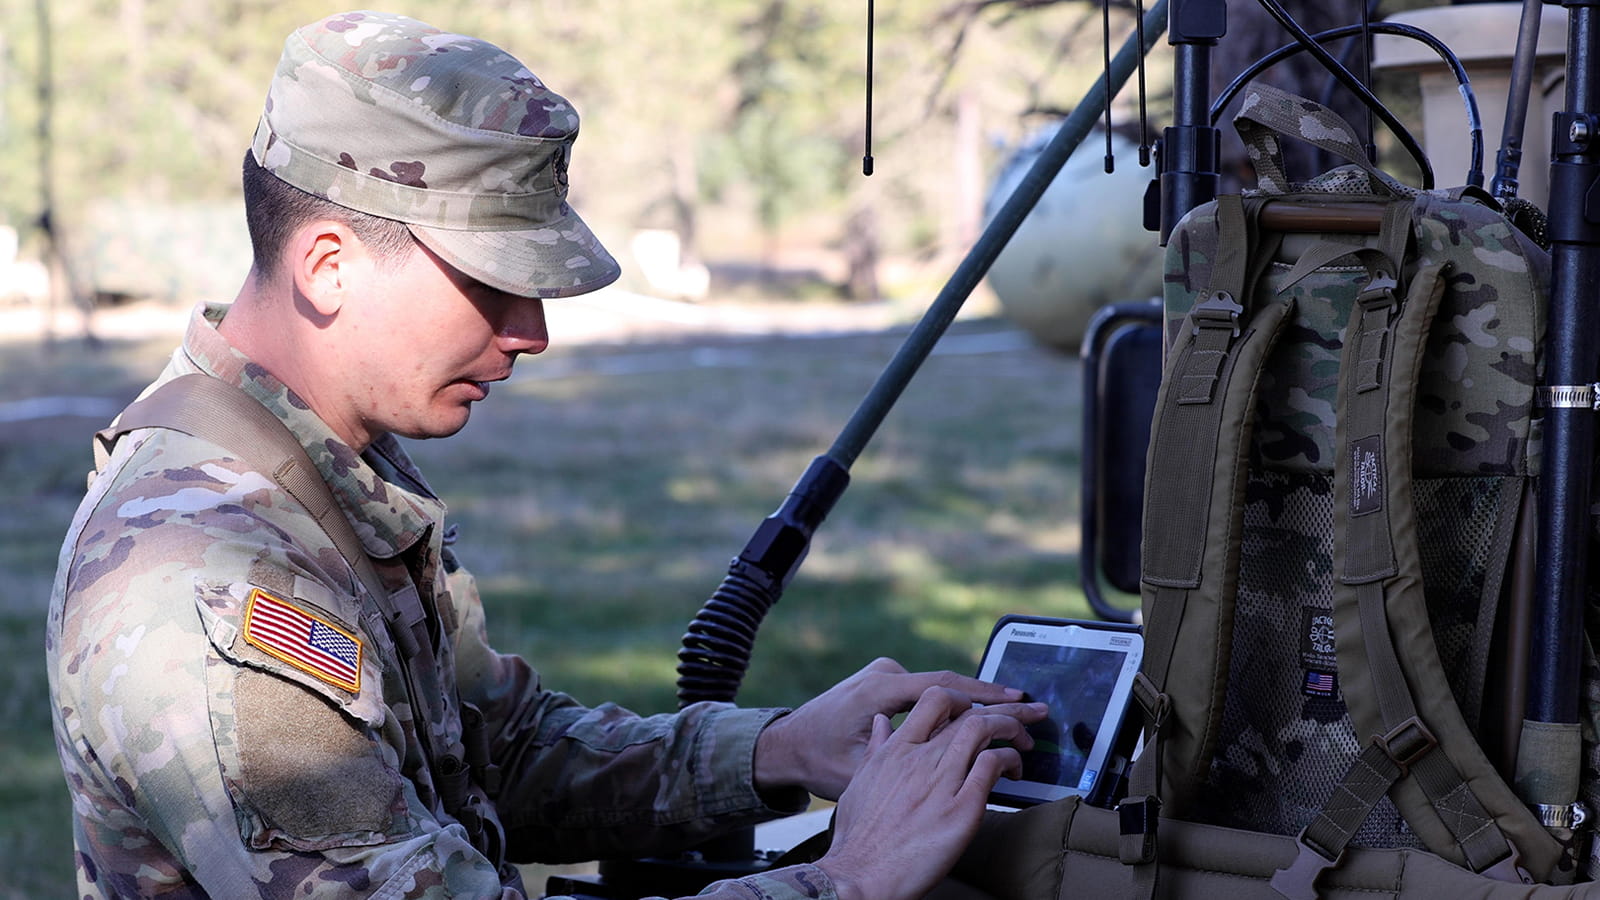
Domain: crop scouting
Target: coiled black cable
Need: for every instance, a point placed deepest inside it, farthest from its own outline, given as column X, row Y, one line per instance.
column 1349, row 80
column 1469, row 99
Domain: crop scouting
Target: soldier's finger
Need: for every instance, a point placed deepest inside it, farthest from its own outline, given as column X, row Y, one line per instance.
column 933, row 709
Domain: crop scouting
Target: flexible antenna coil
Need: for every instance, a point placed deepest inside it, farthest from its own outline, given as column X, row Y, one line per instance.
column 717, row 646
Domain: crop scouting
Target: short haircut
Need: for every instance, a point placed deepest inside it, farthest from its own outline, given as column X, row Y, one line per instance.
column 273, row 209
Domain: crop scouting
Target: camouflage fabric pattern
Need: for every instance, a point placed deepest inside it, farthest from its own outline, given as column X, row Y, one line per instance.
column 448, row 133
column 1480, row 366
column 1283, row 747
column 200, row 765
column 1286, row 737
column 1267, row 112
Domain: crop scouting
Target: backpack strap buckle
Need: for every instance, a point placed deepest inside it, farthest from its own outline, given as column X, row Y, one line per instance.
column 1380, row 292
column 1218, row 310
column 1379, row 304
column 1153, row 702
column 1298, row 880
column 1406, row 743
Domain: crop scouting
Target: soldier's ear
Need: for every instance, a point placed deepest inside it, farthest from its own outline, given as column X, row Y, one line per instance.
column 327, row 262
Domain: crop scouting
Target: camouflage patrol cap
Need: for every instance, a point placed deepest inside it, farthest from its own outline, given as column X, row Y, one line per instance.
column 446, row 133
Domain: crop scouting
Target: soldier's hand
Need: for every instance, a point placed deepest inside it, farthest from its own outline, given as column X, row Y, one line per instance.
column 820, row 745
column 916, row 801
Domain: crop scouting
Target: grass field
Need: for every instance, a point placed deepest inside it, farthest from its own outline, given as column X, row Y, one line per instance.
column 600, row 494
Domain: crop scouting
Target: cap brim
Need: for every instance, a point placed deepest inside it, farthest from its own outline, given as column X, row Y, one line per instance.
column 561, row 259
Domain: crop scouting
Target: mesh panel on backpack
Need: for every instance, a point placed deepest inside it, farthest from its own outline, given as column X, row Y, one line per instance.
column 1465, row 528
column 1286, row 734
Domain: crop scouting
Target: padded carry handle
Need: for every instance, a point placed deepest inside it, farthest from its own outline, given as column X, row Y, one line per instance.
column 1267, row 113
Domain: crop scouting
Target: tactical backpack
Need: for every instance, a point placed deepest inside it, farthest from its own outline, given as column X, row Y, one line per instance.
column 1339, row 478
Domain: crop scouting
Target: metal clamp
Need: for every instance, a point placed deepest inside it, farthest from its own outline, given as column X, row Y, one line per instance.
column 1566, row 815
column 1568, row 396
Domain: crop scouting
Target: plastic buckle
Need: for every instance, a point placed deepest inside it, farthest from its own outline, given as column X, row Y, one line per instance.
column 1379, row 292
column 1406, row 743
column 1509, row 869
column 1138, row 818
column 1219, row 310
column 1298, row 880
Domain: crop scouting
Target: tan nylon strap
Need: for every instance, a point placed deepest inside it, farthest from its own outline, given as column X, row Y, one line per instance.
column 213, row 410
column 1370, row 470
column 1191, row 537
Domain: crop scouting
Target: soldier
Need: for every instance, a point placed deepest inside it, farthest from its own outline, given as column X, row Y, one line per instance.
column 252, row 700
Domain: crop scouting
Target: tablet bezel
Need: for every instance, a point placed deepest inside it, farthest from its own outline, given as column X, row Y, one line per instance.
column 1104, row 636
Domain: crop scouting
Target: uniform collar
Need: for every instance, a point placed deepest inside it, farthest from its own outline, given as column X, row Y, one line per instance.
column 381, row 491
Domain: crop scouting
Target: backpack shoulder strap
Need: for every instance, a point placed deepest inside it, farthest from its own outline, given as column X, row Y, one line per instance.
column 213, row 410
column 1388, row 662
column 1199, row 441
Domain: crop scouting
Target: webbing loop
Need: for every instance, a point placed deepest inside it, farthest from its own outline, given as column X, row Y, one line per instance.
column 1138, row 818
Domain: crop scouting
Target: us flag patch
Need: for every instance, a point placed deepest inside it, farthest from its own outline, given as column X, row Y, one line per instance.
column 1320, row 684
column 311, row 644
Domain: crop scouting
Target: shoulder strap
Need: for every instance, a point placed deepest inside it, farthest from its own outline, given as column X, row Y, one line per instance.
column 1379, row 605
column 211, row 409
column 1196, row 466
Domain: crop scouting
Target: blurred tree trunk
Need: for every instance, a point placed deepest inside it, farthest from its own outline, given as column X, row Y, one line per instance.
column 686, row 201
column 862, row 249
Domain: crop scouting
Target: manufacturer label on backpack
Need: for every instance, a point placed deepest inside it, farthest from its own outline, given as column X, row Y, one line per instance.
column 1317, row 655
column 1366, row 475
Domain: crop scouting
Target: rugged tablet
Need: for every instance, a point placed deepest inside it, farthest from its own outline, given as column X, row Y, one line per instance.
column 1084, row 671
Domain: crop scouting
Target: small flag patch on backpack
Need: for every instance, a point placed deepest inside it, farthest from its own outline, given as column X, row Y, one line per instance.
column 309, row 643
column 1320, row 684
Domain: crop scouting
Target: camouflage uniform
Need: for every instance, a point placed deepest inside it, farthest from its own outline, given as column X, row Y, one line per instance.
column 203, row 762
column 234, row 716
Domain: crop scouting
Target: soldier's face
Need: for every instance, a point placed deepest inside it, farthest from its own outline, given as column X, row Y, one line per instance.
column 436, row 339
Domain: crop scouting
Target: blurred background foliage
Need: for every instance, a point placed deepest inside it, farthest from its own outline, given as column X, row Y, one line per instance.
column 740, row 125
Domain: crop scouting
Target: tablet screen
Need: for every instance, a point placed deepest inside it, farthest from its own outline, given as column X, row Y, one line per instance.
column 1077, row 683
column 1084, row 674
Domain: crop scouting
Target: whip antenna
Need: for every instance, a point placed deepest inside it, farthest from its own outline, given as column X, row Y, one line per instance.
column 1508, row 162
column 866, row 160
column 1105, row 21
column 1144, row 119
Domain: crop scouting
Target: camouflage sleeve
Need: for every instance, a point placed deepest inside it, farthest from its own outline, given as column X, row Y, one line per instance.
column 199, row 765
column 792, row 883
column 802, row 882
column 582, row 784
